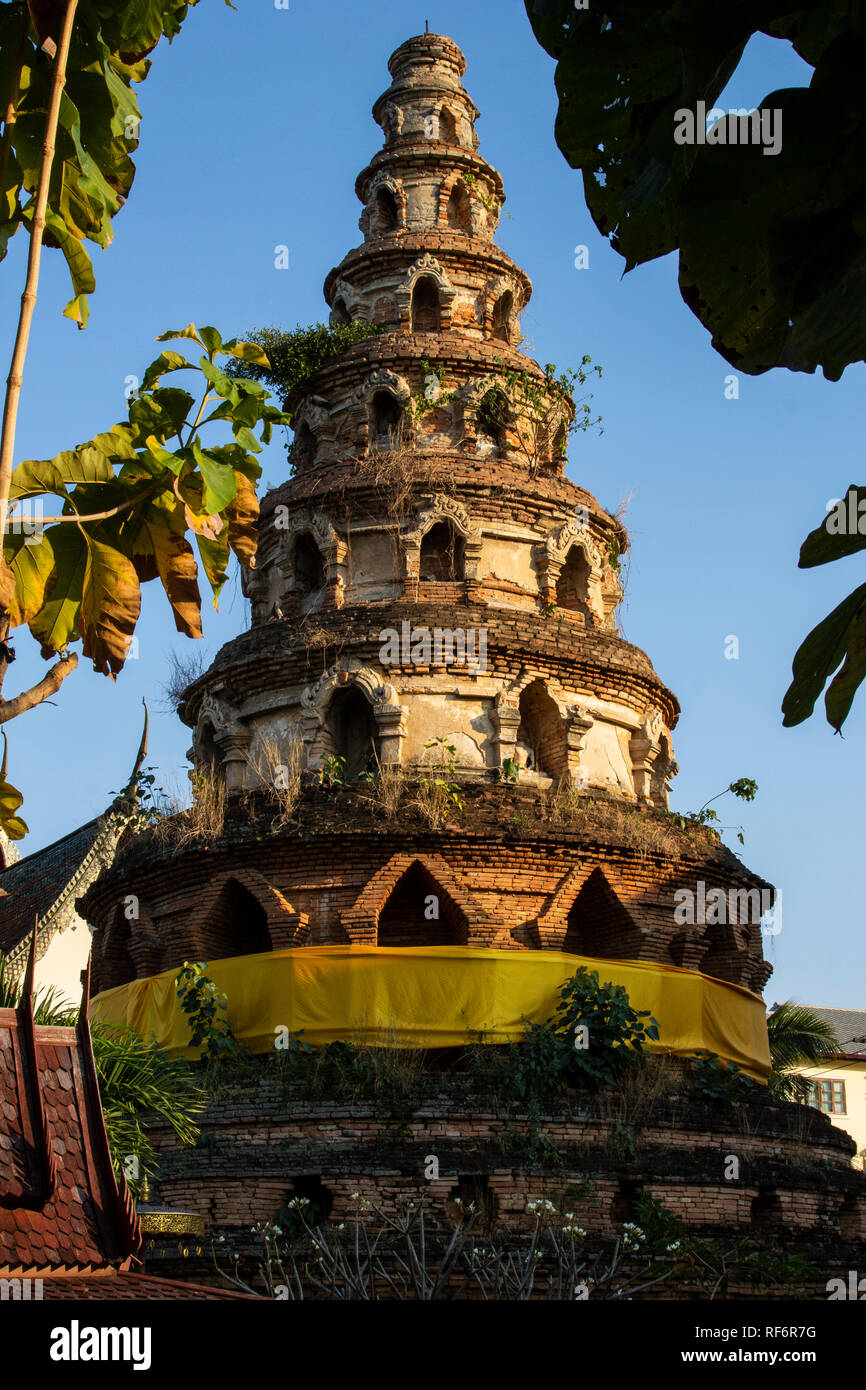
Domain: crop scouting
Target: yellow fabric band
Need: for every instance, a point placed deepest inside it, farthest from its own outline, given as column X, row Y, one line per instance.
column 437, row 996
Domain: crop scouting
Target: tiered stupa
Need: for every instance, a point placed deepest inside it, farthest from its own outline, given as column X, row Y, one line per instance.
column 428, row 577
column 429, row 519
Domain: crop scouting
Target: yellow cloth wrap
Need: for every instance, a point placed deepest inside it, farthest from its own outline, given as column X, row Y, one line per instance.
column 437, row 996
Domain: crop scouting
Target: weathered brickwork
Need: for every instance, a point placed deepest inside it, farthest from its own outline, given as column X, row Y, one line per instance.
column 795, row 1190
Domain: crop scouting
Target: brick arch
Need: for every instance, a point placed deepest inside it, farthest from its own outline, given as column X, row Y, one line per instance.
column 442, row 509
column 372, row 214
column 361, row 920
column 586, row 915
column 426, row 267
column 117, row 964
column 283, row 925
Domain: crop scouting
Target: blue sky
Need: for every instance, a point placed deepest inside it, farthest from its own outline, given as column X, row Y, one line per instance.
column 255, row 124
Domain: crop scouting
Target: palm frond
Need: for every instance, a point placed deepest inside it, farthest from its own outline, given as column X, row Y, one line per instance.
column 798, row 1038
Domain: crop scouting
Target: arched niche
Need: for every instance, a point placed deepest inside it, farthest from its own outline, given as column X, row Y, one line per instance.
column 351, row 731
column 304, row 448
column 458, row 211
column 387, row 419
column 419, row 912
column 572, row 586
column 542, row 731
column 236, row 925
column 386, row 212
column 503, row 311
column 598, row 925
column 340, row 315
column 443, row 554
column 317, row 718
column 448, row 127
column 491, row 422
column 426, row 312
column 308, row 565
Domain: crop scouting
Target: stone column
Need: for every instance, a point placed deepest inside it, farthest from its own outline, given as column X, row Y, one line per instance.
column 391, row 722
column 234, row 748
column 506, row 722
column 577, row 725
column 643, row 753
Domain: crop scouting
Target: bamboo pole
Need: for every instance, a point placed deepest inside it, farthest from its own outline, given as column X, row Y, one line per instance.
column 28, row 298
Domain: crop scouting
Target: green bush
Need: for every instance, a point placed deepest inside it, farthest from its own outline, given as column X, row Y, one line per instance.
column 591, row 1036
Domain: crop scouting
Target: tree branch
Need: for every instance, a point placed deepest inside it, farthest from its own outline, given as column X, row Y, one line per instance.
column 28, row 298
column 49, row 685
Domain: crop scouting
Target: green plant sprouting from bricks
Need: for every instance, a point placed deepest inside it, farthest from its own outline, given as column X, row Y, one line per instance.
column 509, row 771
column 332, row 773
column 477, row 191
column 593, row 1033
column 745, row 788
column 432, row 394
column 541, row 412
column 447, row 786
column 715, row 1079
column 205, row 1006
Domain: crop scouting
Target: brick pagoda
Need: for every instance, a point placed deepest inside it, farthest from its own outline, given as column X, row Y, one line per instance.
column 428, row 495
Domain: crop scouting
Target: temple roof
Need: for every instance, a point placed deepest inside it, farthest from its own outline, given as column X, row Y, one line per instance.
column 32, row 886
column 60, row 1202
column 46, row 883
column 65, row 1216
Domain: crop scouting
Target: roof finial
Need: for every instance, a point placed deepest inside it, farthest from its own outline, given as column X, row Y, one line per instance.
column 426, row 26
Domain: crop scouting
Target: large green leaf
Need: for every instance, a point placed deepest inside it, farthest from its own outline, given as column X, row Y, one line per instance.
column 159, row 536
column 92, row 172
column 86, row 464
column 844, row 685
column 56, row 624
column 840, row 634
column 220, row 484
column 840, row 534
column 166, row 362
column 782, row 283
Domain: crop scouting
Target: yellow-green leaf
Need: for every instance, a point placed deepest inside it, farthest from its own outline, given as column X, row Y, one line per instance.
column 31, row 566
column 56, row 623
column 110, row 606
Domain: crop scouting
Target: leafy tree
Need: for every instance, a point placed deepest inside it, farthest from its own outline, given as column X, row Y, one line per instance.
column 798, row 1038
column 772, row 249
column 128, row 497
column 98, row 55
column 294, row 356
column 70, row 120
